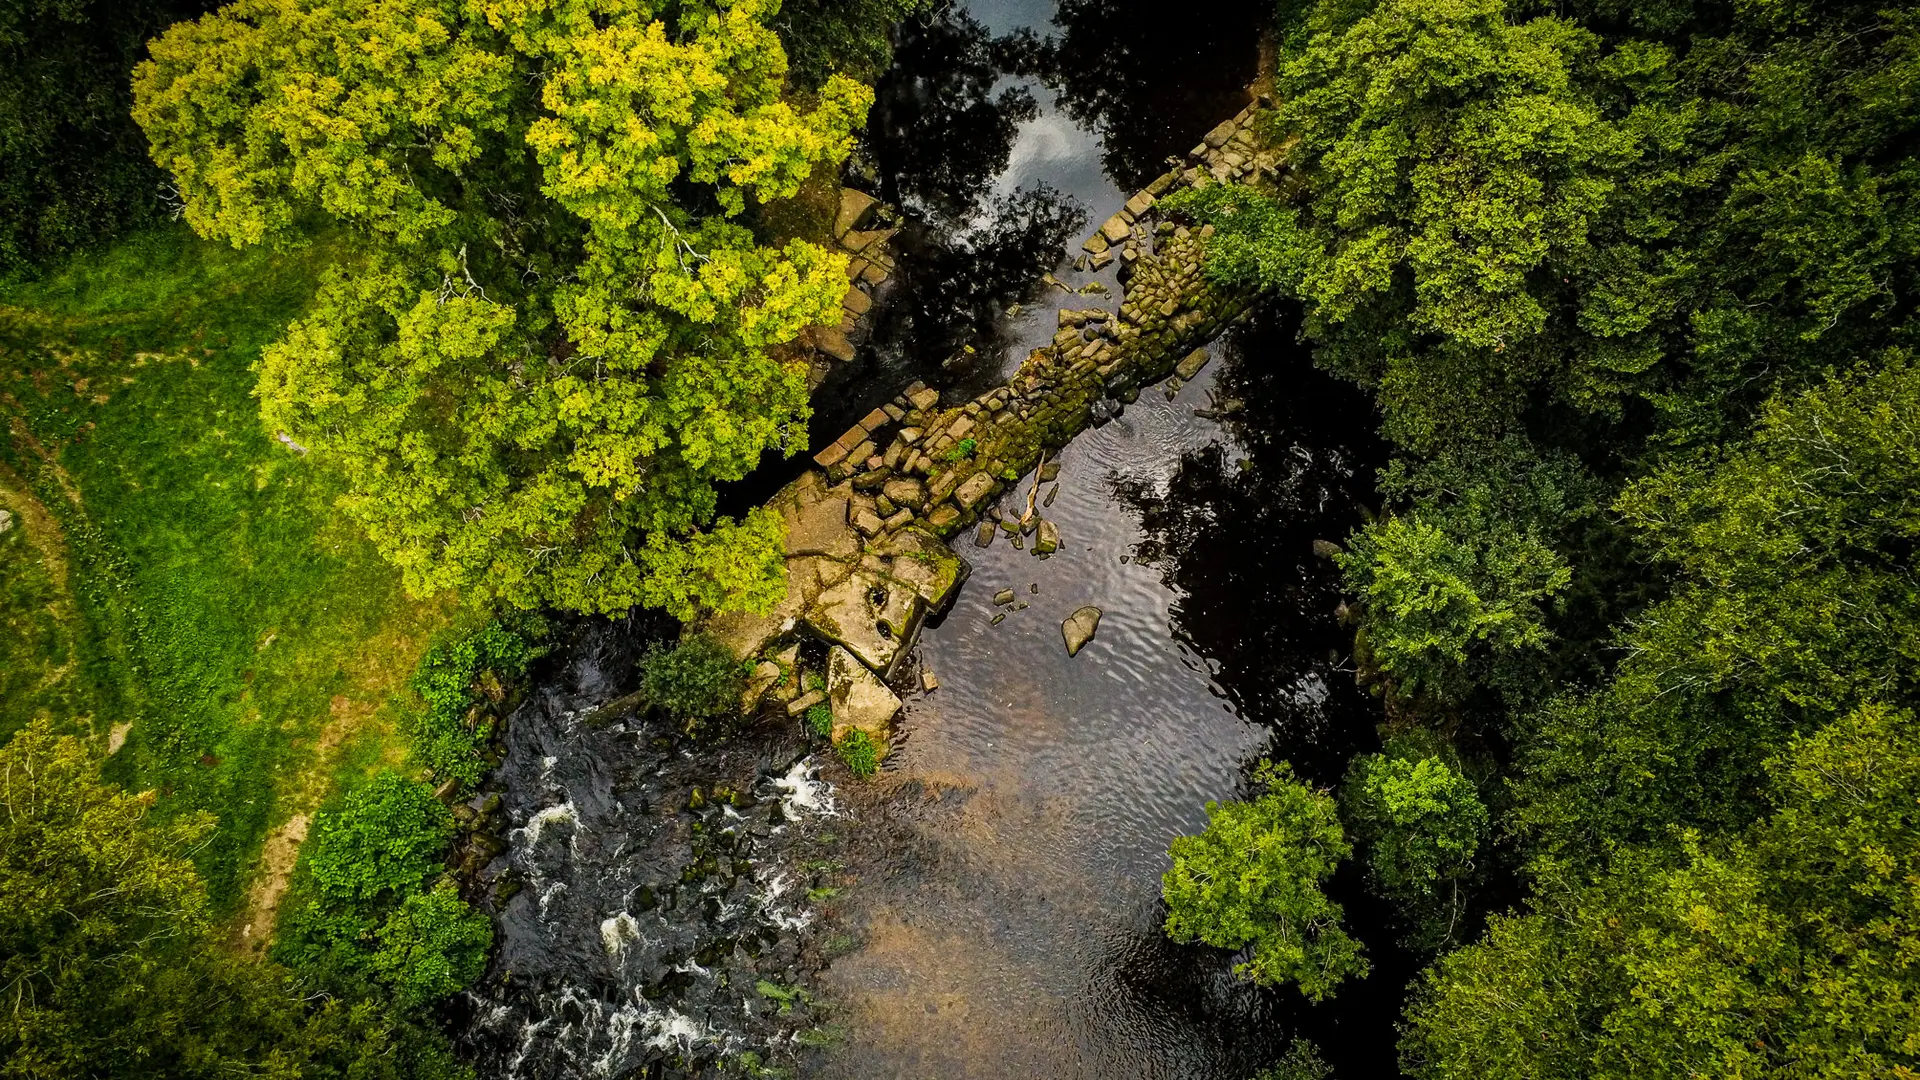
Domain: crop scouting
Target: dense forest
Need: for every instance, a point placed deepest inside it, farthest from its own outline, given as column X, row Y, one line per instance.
column 507, row 294
column 1633, row 288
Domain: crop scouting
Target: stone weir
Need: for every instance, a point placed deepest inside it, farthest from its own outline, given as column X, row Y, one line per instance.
column 867, row 558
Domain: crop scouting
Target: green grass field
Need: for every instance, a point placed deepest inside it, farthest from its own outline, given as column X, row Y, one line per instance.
column 170, row 565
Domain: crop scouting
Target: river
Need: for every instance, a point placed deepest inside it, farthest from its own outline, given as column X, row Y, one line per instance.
column 989, row 905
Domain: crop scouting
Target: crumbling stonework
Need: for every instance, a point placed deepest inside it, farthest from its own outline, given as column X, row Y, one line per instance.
column 866, row 554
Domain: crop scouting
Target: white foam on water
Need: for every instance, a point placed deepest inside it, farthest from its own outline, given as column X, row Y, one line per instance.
column 768, row 899
column 803, row 792
column 618, row 932
column 563, row 814
column 676, row 1030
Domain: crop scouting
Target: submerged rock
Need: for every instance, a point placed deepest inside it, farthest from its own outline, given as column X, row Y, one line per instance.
column 1079, row 628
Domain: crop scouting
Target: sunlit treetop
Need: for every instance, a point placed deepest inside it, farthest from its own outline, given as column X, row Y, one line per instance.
column 548, row 334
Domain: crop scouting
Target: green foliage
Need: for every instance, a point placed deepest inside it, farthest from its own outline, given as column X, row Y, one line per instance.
column 1791, row 601
column 432, row 946
column 1257, row 241
column 694, row 681
column 1789, row 951
column 549, row 338
column 1420, row 823
column 859, row 751
column 203, row 587
column 820, row 720
column 1421, row 820
column 73, row 166
column 1302, row 1062
column 825, row 37
column 112, row 963
column 383, row 841
column 1253, row 878
column 1461, row 588
column 1440, row 595
column 1657, row 257
column 960, row 451
column 441, row 737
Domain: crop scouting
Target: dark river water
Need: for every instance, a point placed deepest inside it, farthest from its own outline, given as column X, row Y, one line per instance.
column 989, row 905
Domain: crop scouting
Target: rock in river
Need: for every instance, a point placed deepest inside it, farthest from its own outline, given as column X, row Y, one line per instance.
column 859, row 699
column 1079, row 628
column 1049, row 539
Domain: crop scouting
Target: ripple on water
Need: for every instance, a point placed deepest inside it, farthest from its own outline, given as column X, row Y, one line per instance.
column 1012, row 922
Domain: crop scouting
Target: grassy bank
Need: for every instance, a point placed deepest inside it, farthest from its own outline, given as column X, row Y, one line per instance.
column 172, row 566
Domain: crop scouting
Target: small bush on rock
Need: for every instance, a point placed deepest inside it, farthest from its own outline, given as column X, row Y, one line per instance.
column 695, row 681
column 859, row 751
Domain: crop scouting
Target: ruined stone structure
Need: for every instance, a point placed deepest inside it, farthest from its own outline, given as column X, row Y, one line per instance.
column 867, row 558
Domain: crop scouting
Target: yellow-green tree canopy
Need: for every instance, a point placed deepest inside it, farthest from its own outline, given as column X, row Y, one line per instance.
column 548, row 335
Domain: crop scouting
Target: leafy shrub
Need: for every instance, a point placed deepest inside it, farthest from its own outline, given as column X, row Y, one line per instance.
column 432, row 947
column 1421, row 820
column 440, row 737
column 820, row 720
column 961, row 450
column 1302, row 1062
column 384, row 841
column 1253, row 878
column 694, row 681
column 859, row 751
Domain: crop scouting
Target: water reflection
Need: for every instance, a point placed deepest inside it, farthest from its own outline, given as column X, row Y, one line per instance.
column 1232, row 532
column 943, row 121
column 1147, row 81
column 1008, row 893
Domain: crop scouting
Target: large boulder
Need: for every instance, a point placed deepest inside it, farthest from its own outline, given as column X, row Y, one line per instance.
column 859, row 699
column 925, row 563
column 873, row 616
column 820, row 528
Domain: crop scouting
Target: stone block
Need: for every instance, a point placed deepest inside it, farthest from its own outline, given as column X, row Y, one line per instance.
column 1139, row 204
column 867, row 522
column 1048, row 540
column 977, row 487
column 906, row 492
column 820, row 528
column 857, row 300
column 944, row 516
column 924, row 398
column 1190, row 365
column 860, row 700
column 867, row 243
column 1220, row 134
column 1095, row 245
column 831, row 456
column 832, row 341
column 1116, row 229
column 874, row 421
column 943, row 485
column 870, row 615
column 856, row 208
